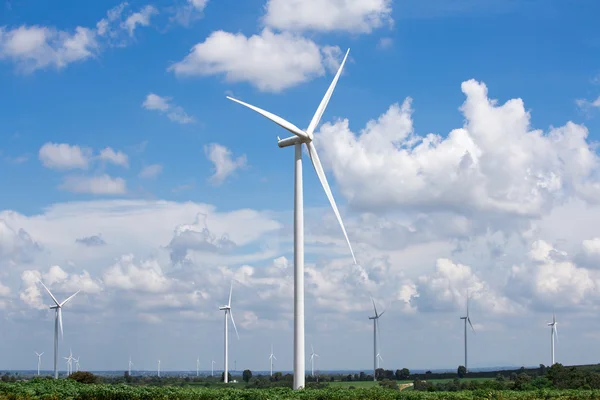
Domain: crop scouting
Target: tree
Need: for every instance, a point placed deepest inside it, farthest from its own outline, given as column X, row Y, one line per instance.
column 223, row 377
column 402, row 374
column 461, row 371
column 389, row 384
column 246, row 375
column 84, row 377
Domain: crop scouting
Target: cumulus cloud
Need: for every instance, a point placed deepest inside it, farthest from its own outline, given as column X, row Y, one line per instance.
column 188, row 11
column 16, row 246
column 355, row 16
column 150, row 171
column 114, row 157
column 102, row 184
column 140, row 18
column 164, row 105
column 495, row 163
column 224, row 163
column 64, row 156
column 146, row 276
column 269, row 61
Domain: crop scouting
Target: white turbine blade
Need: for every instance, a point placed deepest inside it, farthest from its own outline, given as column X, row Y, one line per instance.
column 69, row 298
column 50, row 293
column 230, row 291
column 234, row 327
column 314, row 157
column 275, row 358
column 374, row 307
column 278, row 120
column 317, row 117
column 555, row 331
column 60, row 323
column 312, row 349
column 383, row 312
column 469, row 320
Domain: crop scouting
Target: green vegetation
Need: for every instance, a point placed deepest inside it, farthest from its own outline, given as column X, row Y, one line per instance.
column 67, row 389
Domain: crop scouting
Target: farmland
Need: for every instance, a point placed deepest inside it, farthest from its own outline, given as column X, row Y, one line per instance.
column 45, row 389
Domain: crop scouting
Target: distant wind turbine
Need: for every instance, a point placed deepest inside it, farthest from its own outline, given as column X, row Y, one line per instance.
column 69, row 361
column 467, row 319
column 39, row 356
column 227, row 310
column 57, row 322
column 76, row 364
column 272, row 357
column 312, row 360
column 158, row 370
column 129, row 366
column 376, row 355
column 198, row 366
column 212, row 368
column 299, row 138
column 553, row 333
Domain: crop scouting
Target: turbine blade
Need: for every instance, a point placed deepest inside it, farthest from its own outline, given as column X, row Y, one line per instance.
column 234, row 327
column 383, row 312
column 60, row 323
column 555, row 332
column 374, row 307
column 469, row 319
column 69, row 298
column 275, row 358
column 319, row 113
column 314, row 157
column 230, row 291
column 50, row 293
column 278, row 120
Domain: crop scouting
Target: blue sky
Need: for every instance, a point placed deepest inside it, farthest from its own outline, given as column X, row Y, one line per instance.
column 124, row 133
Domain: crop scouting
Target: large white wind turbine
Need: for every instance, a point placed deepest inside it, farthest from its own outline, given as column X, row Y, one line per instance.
column 303, row 137
column 39, row 356
column 467, row 319
column 227, row 310
column 69, row 361
column 57, row 322
column 272, row 357
column 553, row 333
column 376, row 355
column 312, row 361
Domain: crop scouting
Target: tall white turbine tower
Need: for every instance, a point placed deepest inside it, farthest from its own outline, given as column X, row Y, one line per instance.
column 271, row 358
column 198, row 367
column 227, row 310
column 212, row 368
column 158, row 370
column 312, row 361
column 467, row 319
column 553, row 333
column 39, row 356
column 57, row 322
column 69, row 361
column 129, row 366
column 76, row 363
column 376, row 355
column 303, row 137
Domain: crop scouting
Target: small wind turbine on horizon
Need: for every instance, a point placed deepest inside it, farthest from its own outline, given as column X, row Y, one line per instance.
column 129, row 366
column 57, row 322
column 227, row 310
column 69, row 361
column 312, row 360
column 272, row 357
column 467, row 319
column 376, row 355
column 158, row 370
column 198, row 366
column 76, row 363
column 212, row 368
column 303, row 137
column 553, row 333
column 39, row 356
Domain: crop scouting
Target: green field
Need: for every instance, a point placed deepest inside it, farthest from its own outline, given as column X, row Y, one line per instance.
column 368, row 384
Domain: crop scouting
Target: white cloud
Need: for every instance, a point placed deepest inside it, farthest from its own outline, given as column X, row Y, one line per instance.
column 585, row 104
column 147, row 276
column 151, row 171
column 64, row 156
column 37, row 47
column 356, row 16
column 188, row 11
column 164, row 105
column 141, row 18
column 332, row 58
column 269, row 61
column 115, row 157
column 385, row 43
column 102, row 184
column 16, row 246
column 495, row 163
column 223, row 160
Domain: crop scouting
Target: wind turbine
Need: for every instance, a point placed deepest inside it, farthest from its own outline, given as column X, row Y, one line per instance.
column 198, row 366
column 553, row 332
column 57, row 322
column 129, row 366
column 69, row 363
column 76, row 364
column 272, row 357
column 158, row 370
column 227, row 310
column 376, row 355
column 312, row 360
column 212, row 368
column 39, row 356
column 467, row 319
column 303, row 137
column 378, row 359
